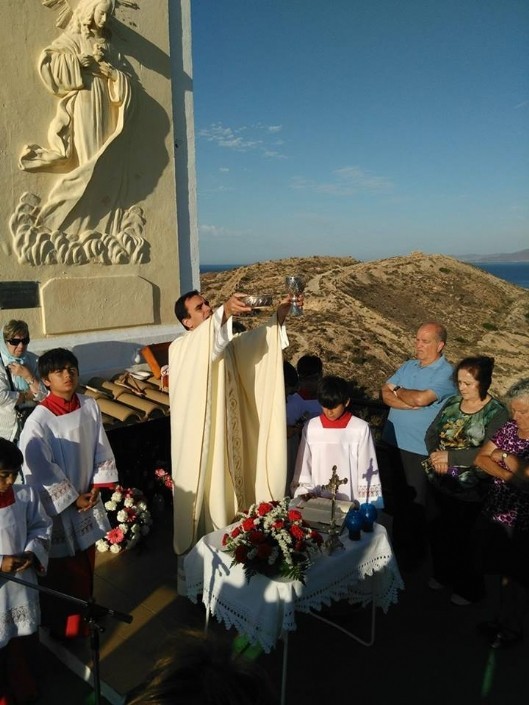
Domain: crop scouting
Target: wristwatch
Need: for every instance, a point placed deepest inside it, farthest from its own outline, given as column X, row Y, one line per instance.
column 396, row 389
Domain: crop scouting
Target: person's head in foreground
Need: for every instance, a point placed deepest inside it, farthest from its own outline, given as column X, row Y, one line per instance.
column 11, row 460
column 202, row 670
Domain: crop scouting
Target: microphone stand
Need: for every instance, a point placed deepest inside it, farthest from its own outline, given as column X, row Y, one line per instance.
column 92, row 612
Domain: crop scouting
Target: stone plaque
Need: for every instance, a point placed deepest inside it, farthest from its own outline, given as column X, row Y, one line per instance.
column 19, row 295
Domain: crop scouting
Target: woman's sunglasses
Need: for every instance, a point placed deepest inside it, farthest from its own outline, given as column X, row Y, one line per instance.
column 16, row 341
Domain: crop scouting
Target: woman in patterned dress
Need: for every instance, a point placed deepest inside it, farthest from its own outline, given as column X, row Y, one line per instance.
column 466, row 421
column 503, row 529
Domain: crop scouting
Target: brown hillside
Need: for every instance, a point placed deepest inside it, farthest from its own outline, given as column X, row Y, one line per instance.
column 361, row 317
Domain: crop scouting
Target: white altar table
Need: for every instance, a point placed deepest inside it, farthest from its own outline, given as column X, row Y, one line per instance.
column 263, row 609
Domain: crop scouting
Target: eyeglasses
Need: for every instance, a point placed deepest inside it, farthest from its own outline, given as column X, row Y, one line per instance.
column 15, row 342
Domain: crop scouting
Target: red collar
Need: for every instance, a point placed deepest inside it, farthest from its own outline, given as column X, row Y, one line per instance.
column 339, row 423
column 7, row 498
column 59, row 406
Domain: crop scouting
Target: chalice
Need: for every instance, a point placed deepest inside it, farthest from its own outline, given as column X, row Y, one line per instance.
column 295, row 286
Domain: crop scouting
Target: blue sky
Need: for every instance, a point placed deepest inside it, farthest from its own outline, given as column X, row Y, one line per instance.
column 367, row 128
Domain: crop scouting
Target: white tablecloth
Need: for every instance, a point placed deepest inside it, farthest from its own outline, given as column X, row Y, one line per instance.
column 263, row 608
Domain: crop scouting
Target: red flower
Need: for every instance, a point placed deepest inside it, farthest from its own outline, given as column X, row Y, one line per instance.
column 235, row 532
column 225, row 539
column 278, row 524
column 264, row 508
column 115, row 535
column 256, row 537
column 264, row 550
column 248, row 524
column 297, row 532
column 300, row 546
column 240, row 554
column 294, row 515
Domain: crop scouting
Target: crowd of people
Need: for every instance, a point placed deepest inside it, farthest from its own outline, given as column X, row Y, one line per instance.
column 454, row 461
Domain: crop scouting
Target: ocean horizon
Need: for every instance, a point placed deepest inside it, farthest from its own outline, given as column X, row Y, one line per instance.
column 512, row 272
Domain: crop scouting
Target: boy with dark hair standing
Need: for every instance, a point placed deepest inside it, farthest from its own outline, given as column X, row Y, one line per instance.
column 68, row 459
column 336, row 437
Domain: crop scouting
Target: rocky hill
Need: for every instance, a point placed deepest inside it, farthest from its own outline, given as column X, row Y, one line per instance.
column 361, row 317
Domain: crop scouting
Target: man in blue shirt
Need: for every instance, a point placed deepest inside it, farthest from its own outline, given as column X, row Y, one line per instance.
column 415, row 394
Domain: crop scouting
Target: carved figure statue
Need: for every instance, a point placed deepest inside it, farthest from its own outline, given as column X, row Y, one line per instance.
column 82, row 69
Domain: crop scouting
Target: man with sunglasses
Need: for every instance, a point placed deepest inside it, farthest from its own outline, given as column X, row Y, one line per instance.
column 20, row 384
column 228, row 441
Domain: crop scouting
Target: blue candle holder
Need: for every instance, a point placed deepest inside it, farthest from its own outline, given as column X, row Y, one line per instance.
column 369, row 514
column 353, row 523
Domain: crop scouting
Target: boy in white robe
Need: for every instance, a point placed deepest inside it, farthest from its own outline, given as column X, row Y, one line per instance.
column 68, row 459
column 336, row 437
column 25, row 531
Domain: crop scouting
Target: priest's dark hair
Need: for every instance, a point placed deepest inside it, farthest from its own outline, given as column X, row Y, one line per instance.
column 180, row 308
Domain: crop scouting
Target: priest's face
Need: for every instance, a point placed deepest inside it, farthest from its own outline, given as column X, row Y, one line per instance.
column 199, row 311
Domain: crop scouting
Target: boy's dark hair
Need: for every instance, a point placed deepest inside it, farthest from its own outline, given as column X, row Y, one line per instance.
column 56, row 359
column 290, row 375
column 309, row 365
column 180, row 308
column 11, row 457
column 480, row 367
column 333, row 391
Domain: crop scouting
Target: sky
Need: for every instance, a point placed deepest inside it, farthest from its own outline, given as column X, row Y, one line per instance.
column 362, row 128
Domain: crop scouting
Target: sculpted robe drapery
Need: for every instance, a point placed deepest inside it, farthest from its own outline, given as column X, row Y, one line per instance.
column 228, row 420
column 91, row 113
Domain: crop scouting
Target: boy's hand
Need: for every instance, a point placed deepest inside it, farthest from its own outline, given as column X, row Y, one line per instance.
column 16, row 564
column 87, row 500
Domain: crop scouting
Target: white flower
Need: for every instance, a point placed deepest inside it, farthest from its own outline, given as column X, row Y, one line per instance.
column 142, row 506
column 111, row 506
column 115, row 548
column 124, row 528
column 102, row 545
column 116, row 497
column 129, row 502
column 122, row 515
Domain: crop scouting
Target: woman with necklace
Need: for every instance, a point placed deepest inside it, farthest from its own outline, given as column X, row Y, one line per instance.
column 464, row 424
column 502, row 531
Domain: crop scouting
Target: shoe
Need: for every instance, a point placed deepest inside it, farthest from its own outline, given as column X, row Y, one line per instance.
column 506, row 638
column 434, row 584
column 459, row 600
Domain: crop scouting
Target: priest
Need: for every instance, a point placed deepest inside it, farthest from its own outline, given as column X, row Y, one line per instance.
column 228, row 419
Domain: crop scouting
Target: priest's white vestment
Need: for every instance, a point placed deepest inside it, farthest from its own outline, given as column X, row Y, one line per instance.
column 228, row 424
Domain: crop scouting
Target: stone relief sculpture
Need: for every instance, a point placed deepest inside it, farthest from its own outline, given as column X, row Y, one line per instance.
column 86, row 216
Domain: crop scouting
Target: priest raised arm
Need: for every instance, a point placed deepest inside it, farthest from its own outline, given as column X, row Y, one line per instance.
column 227, row 397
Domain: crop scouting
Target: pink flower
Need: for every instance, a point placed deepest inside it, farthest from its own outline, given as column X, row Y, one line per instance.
column 115, row 535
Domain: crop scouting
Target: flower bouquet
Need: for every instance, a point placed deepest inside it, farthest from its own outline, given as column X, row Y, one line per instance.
column 129, row 518
column 273, row 540
column 163, row 478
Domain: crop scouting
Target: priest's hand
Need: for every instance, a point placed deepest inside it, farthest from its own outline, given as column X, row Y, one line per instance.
column 234, row 306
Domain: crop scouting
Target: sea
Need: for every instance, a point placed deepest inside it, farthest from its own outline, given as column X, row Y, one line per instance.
column 512, row 272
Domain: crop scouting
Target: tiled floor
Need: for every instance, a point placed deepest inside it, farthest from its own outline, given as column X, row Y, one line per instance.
column 426, row 649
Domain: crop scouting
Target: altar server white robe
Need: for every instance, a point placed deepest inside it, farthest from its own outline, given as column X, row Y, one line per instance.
column 351, row 449
column 64, row 457
column 24, row 526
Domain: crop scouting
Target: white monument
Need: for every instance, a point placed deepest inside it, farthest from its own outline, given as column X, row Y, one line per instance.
column 98, row 173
